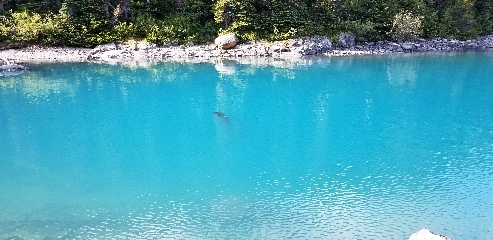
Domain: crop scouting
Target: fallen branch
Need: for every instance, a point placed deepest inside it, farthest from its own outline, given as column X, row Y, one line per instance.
column 9, row 66
column 12, row 67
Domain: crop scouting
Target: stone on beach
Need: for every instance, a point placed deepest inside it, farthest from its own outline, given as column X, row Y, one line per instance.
column 226, row 41
column 346, row 40
column 425, row 234
column 105, row 47
column 407, row 46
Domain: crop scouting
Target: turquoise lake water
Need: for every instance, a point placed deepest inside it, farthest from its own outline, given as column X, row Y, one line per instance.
column 373, row 147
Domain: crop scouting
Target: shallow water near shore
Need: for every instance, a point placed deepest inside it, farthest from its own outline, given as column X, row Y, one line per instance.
column 369, row 147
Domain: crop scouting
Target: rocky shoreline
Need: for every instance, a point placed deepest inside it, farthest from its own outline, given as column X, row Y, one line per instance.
column 143, row 53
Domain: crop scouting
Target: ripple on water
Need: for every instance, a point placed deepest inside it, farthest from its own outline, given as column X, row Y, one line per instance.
column 425, row 165
column 313, row 206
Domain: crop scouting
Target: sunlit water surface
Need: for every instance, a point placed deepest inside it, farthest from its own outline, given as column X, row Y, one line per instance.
column 371, row 147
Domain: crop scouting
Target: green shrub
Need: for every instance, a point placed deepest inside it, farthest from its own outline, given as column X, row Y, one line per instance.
column 484, row 16
column 30, row 28
column 363, row 31
column 406, row 26
column 91, row 22
column 6, row 29
column 432, row 27
column 235, row 16
column 124, row 30
column 459, row 20
column 26, row 27
column 369, row 20
column 178, row 28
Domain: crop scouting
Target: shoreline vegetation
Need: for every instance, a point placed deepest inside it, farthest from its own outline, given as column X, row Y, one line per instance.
column 184, row 29
column 87, row 23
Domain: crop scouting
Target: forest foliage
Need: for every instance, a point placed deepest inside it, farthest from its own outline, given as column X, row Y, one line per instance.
column 91, row 22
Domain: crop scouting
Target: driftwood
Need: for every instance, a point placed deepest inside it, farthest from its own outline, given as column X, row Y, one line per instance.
column 10, row 67
column 7, row 62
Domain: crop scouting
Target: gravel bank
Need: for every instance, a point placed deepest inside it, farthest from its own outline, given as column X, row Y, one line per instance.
column 142, row 53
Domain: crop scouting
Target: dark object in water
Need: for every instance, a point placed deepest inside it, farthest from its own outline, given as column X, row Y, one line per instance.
column 221, row 115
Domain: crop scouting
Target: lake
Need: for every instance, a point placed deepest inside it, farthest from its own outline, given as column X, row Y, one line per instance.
column 369, row 147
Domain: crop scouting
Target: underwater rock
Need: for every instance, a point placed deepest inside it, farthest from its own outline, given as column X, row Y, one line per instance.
column 221, row 115
column 407, row 46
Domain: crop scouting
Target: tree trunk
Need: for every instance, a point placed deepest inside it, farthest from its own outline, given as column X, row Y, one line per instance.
column 124, row 8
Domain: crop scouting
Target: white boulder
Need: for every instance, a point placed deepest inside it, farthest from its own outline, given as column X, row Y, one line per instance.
column 226, row 41
column 346, row 40
column 407, row 46
column 142, row 45
column 105, row 47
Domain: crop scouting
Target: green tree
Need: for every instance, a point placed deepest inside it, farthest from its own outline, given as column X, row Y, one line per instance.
column 484, row 15
column 459, row 20
column 91, row 22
